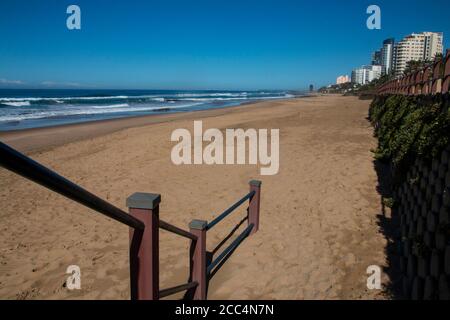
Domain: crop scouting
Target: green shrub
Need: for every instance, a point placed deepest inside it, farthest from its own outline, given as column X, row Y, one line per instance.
column 389, row 202
column 408, row 128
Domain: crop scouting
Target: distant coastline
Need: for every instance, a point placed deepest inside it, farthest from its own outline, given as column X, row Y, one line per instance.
column 39, row 139
column 27, row 109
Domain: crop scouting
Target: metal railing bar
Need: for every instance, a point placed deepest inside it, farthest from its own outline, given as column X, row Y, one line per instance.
column 229, row 210
column 169, row 291
column 233, row 231
column 32, row 170
column 171, row 228
column 230, row 248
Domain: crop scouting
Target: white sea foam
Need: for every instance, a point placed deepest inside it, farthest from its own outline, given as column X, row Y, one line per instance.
column 121, row 105
column 206, row 96
column 216, row 94
column 240, row 98
column 90, row 110
column 15, row 109
column 58, row 99
column 16, row 103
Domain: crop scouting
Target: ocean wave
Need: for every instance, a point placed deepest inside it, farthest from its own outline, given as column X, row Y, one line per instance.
column 59, row 99
column 121, row 105
column 92, row 110
column 239, row 98
column 16, row 103
column 166, row 97
column 216, row 94
column 61, row 109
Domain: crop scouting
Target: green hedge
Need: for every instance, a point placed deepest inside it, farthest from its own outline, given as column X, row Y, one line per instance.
column 408, row 128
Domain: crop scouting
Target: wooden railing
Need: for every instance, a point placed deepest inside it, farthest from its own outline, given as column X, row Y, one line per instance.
column 143, row 220
column 433, row 79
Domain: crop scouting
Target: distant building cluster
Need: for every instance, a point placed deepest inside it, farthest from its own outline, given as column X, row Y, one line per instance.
column 366, row 74
column 392, row 58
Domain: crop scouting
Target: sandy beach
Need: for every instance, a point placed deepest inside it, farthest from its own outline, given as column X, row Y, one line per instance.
column 319, row 215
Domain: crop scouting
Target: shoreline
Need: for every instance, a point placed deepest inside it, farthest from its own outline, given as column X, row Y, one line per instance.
column 41, row 139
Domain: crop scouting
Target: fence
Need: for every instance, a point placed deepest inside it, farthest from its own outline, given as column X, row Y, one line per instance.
column 143, row 220
column 434, row 78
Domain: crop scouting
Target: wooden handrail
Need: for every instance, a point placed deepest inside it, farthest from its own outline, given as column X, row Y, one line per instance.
column 171, row 228
column 26, row 167
column 144, row 223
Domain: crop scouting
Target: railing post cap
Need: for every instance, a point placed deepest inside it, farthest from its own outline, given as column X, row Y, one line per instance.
column 198, row 224
column 141, row 200
column 255, row 183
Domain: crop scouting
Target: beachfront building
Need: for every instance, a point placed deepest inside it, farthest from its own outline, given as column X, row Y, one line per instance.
column 366, row 74
column 376, row 58
column 342, row 79
column 385, row 56
column 417, row 47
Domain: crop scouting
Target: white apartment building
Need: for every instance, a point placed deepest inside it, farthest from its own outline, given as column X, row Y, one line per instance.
column 342, row 79
column 387, row 55
column 418, row 47
column 366, row 74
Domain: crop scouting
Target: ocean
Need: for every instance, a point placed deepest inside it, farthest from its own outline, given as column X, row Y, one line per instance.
column 23, row 109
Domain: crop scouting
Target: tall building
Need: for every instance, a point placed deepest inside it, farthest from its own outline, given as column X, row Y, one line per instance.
column 417, row 47
column 342, row 79
column 433, row 44
column 384, row 56
column 387, row 55
column 366, row 74
column 376, row 58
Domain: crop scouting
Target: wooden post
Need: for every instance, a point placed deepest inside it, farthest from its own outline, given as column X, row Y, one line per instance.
column 254, row 205
column 198, row 258
column 446, row 82
column 144, row 246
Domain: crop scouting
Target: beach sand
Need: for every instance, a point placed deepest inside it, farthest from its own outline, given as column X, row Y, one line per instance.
column 318, row 229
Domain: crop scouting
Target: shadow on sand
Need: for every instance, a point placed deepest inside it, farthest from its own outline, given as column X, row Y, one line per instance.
column 189, row 295
column 389, row 224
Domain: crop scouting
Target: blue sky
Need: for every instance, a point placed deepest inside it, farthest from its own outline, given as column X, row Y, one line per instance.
column 194, row 44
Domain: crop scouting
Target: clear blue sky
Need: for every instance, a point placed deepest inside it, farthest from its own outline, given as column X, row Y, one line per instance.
column 190, row 44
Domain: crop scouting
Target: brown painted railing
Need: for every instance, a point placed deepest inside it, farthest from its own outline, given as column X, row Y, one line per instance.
column 433, row 79
column 143, row 220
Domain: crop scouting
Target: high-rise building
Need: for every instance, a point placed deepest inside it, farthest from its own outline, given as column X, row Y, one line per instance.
column 417, row 47
column 433, row 44
column 342, row 79
column 384, row 56
column 387, row 55
column 376, row 58
column 366, row 74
